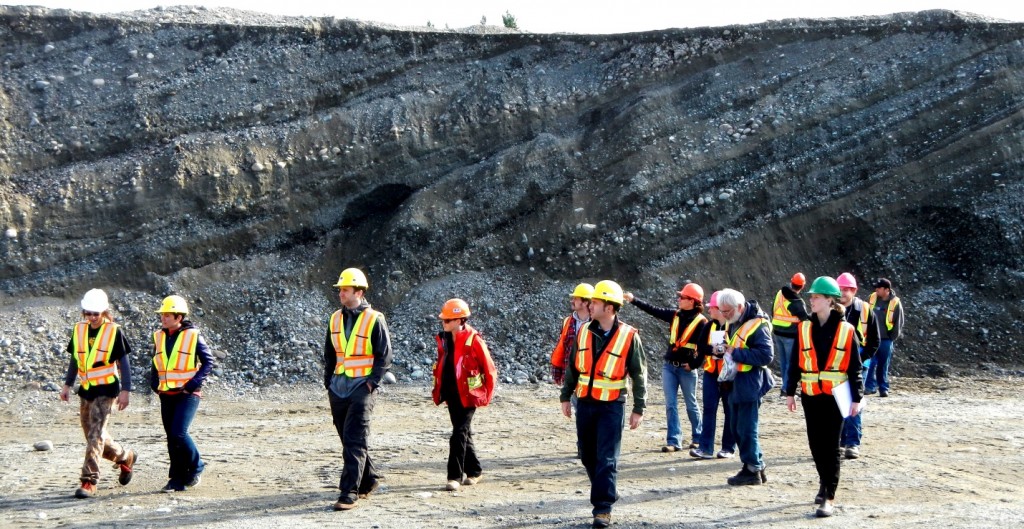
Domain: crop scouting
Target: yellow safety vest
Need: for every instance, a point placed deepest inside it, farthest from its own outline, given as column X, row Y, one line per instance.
column 353, row 354
column 739, row 339
column 609, row 380
column 180, row 366
column 816, row 381
column 94, row 365
column 781, row 317
column 890, row 312
column 683, row 341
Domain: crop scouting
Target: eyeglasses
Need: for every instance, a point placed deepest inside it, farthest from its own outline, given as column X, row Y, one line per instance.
column 88, row 314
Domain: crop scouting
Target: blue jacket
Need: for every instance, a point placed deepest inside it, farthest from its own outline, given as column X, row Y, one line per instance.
column 758, row 351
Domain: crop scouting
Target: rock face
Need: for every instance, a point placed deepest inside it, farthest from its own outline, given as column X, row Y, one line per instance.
column 243, row 160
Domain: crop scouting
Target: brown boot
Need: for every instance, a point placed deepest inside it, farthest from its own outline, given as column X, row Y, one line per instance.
column 126, row 467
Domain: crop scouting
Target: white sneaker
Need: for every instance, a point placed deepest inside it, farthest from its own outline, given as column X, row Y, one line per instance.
column 452, row 485
column 725, row 454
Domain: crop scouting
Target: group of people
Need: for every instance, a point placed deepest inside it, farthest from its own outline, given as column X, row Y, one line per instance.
column 819, row 350
column 598, row 360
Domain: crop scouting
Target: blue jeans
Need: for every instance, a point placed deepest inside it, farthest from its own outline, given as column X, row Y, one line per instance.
column 673, row 378
column 783, row 351
column 744, row 423
column 852, row 431
column 177, row 412
column 599, row 434
column 712, row 394
column 878, row 373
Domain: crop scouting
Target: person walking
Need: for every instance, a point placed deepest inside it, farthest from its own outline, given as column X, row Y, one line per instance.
column 825, row 357
column 787, row 311
column 357, row 354
column 889, row 312
column 181, row 363
column 749, row 346
column 858, row 314
column 679, row 370
column 464, row 378
column 579, row 303
column 713, row 390
column 100, row 358
column 608, row 351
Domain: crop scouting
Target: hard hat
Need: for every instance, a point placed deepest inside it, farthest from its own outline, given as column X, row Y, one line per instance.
column 826, row 286
column 352, row 277
column 713, row 301
column 608, row 291
column 846, row 280
column 174, row 305
column 454, row 309
column 798, row 279
column 95, row 300
column 583, row 290
column 692, row 291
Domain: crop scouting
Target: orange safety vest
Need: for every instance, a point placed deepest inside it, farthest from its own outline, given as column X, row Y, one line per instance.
column 180, row 366
column 814, row 381
column 558, row 354
column 609, row 380
column 781, row 317
column 739, row 339
column 87, row 357
column 890, row 312
column 353, row 355
column 683, row 341
column 711, row 364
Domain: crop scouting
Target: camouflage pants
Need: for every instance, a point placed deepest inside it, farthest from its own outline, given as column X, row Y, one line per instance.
column 94, row 415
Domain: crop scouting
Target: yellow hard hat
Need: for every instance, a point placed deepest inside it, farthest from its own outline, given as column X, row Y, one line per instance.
column 352, row 277
column 583, row 290
column 608, row 291
column 174, row 305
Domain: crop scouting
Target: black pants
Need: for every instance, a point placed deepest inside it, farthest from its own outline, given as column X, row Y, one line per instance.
column 461, row 454
column 352, row 420
column 824, row 428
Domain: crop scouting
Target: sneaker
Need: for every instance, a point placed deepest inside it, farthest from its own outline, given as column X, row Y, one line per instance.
column 697, row 453
column 173, row 486
column 87, row 490
column 366, row 494
column 870, row 391
column 763, row 475
column 452, row 485
column 126, row 467
column 472, row 480
column 821, row 496
column 852, row 452
column 745, row 477
column 825, row 509
column 670, row 448
column 196, row 479
column 725, row 454
column 883, row 393
column 602, row 520
column 344, row 503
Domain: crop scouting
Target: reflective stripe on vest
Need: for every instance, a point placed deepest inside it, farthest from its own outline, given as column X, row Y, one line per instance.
column 684, row 340
column 711, row 364
column 86, row 357
column 739, row 339
column 890, row 311
column 781, row 317
column 353, row 356
column 862, row 323
column 178, row 368
column 610, row 378
column 814, row 381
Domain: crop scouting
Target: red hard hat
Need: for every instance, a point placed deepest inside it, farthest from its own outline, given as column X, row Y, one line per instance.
column 846, row 280
column 692, row 291
column 798, row 279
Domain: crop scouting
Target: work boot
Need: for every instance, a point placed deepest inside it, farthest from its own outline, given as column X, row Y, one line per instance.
column 87, row 490
column 821, row 495
column 825, row 509
column 852, row 452
column 602, row 520
column 745, row 477
column 126, row 467
column 345, row 503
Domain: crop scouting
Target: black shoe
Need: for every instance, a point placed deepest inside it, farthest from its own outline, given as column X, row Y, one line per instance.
column 363, row 494
column 345, row 503
column 883, row 393
column 745, row 477
column 821, row 496
column 763, row 476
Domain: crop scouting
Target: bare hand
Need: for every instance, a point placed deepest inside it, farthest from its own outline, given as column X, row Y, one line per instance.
column 854, row 409
column 122, row 400
column 791, row 403
column 634, row 420
column 567, row 409
column 64, row 393
column 628, row 296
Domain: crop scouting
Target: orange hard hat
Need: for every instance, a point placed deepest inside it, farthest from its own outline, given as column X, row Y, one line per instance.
column 454, row 309
column 692, row 291
column 798, row 279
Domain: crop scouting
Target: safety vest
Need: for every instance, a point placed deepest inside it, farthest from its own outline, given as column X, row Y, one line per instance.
column 890, row 312
column 781, row 317
column 94, row 365
column 739, row 339
column 683, row 341
column 353, row 355
column 610, row 377
column 711, row 364
column 814, row 381
column 862, row 320
column 180, row 366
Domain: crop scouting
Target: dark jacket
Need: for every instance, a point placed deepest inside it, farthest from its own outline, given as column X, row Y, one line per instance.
column 636, row 367
column 758, row 351
column 796, row 308
column 881, row 306
column 672, row 353
column 869, row 343
column 823, row 336
column 380, row 340
column 205, row 363
column 704, row 349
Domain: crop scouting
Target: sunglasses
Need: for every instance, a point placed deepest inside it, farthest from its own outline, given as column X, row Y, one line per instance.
column 448, row 320
column 88, row 314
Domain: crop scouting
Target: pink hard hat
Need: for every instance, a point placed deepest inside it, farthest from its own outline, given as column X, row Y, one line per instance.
column 846, row 280
column 713, row 302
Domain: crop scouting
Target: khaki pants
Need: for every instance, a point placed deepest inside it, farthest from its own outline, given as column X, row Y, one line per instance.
column 94, row 415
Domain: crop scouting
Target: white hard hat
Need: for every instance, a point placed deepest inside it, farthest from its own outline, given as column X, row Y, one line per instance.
column 95, row 300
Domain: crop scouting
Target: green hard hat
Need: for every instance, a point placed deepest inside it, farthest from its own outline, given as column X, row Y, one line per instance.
column 826, row 286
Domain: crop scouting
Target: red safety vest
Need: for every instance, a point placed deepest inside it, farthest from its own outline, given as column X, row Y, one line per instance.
column 816, row 381
column 353, row 355
column 94, row 365
column 179, row 367
column 609, row 380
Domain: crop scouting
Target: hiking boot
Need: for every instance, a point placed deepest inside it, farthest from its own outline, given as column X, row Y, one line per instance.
column 852, row 452
column 745, row 477
column 472, row 480
column 173, row 486
column 725, row 454
column 366, row 494
column 696, row 452
column 602, row 520
column 825, row 509
column 126, row 467
column 87, row 490
column 452, row 485
column 670, row 448
column 344, row 503
column 821, row 495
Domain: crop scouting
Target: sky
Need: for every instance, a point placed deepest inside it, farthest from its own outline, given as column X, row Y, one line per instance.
column 571, row 16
